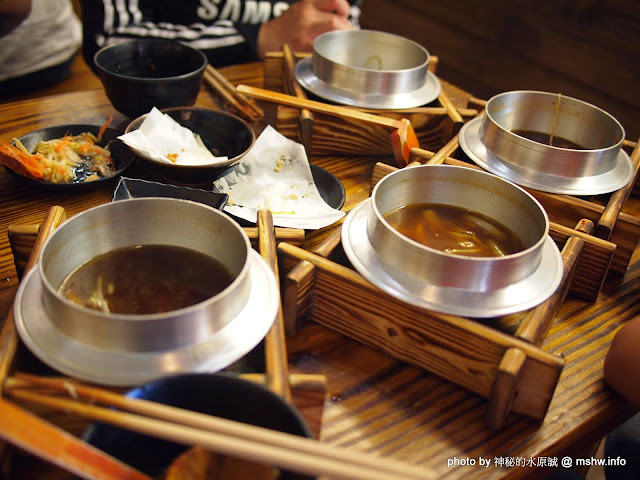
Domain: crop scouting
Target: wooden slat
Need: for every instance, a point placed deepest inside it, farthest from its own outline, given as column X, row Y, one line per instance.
column 460, row 350
column 43, row 440
column 614, row 206
column 298, row 284
column 316, row 106
column 9, row 334
column 275, row 346
column 538, row 320
column 305, row 117
column 334, row 136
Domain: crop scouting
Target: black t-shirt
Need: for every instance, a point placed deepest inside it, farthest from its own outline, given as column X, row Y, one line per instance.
column 225, row 30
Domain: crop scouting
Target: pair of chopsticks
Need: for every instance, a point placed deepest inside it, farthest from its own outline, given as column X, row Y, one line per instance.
column 245, row 106
column 248, row 442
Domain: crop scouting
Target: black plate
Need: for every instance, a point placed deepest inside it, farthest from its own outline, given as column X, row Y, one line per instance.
column 329, row 187
column 223, row 395
column 121, row 155
column 134, row 188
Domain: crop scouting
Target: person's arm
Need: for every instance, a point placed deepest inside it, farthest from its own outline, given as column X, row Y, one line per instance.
column 12, row 14
column 622, row 363
column 299, row 25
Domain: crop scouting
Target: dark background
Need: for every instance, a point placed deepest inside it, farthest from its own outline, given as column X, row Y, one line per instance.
column 587, row 49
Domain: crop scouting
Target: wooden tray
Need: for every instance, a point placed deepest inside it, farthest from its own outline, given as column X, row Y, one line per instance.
column 308, row 393
column 434, row 125
column 472, row 354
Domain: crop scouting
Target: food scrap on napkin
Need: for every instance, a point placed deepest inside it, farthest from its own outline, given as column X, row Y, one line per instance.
column 275, row 175
column 163, row 139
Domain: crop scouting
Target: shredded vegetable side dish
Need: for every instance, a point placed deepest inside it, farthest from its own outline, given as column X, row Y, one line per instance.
column 73, row 159
column 69, row 159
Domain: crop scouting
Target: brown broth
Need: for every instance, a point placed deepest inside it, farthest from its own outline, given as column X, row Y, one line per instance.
column 454, row 230
column 146, row 279
column 545, row 138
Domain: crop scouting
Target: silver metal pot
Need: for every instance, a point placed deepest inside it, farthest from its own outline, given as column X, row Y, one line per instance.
column 595, row 130
column 368, row 68
column 600, row 166
column 367, row 61
column 440, row 281
column 465, row 188
column 144, row 221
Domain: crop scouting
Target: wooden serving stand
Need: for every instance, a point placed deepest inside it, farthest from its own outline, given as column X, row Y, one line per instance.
column 500, row 359
column 307, row 392
column 60, row 431
column 325, row 134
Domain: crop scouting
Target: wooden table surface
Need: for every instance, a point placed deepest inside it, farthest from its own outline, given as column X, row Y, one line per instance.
column 376, row 403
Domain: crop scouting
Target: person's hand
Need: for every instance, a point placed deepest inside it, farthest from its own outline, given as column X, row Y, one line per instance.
column 622, row 363
column 12, row 13
column 301, row 23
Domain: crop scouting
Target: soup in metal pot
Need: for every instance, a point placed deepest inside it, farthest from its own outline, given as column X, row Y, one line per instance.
column 548, row 139
column 454, row 230
column 146, row 279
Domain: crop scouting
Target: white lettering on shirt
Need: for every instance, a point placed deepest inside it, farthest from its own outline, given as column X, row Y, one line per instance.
column 256, row 12
column 208, row 9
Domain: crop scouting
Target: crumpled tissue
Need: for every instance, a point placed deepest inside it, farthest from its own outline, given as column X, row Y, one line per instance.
column 163, row 139
column 275, row 175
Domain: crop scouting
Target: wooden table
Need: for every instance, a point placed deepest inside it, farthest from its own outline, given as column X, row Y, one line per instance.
column 376, row 403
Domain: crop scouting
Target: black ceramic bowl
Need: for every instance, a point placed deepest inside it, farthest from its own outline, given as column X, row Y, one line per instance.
column 138, row 75
column 223, row 134
column 218, row 394
column 121, row 155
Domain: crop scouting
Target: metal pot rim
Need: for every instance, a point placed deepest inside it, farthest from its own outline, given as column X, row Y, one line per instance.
column 475, row 287
column 146, row 332
column 488, row 141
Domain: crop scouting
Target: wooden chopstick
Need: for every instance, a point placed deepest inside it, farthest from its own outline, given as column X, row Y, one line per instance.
column 249, row 102
column 321, row 107
column 246, row 106
column 228, row 437
column 58, row 447
column 451, row 109
column 228, row 97
column 277, row 363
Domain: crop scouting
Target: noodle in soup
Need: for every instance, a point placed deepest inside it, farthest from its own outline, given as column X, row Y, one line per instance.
column 454, row 230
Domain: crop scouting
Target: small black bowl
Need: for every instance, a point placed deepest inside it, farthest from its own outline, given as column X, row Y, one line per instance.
column 121, row 156
column 219, row 394
column 138, row 75
column 224, row 134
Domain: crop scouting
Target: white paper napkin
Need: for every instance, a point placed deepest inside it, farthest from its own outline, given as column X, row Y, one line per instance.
column 275, row 175
column 160, row 138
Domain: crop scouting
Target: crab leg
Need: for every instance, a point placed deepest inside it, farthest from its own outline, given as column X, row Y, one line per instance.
column 19, row 161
